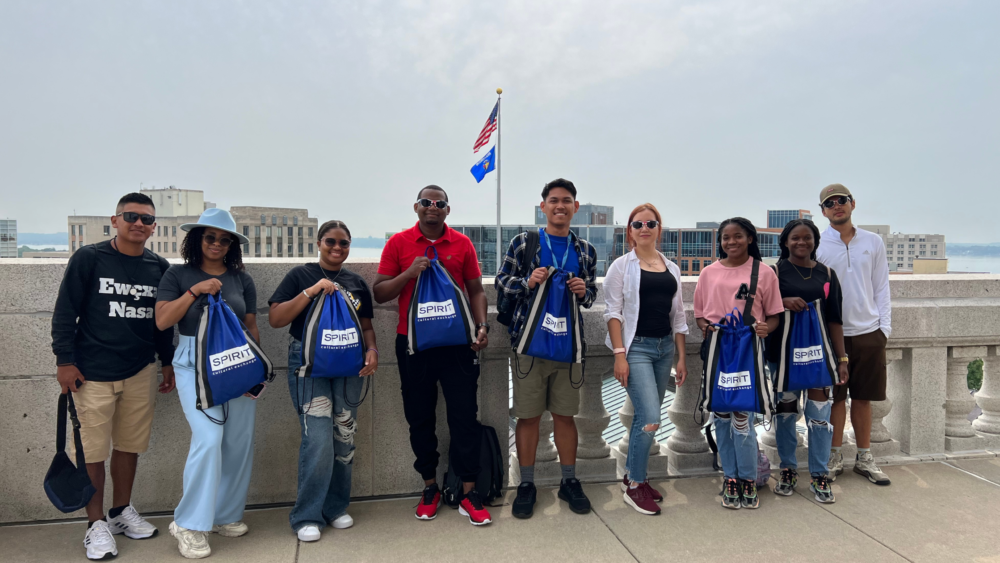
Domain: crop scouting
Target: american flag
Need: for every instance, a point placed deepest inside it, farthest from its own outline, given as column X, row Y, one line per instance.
column 488, row 129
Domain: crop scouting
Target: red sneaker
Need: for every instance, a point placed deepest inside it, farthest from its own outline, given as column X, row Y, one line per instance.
column 640, row 499
column 427, row 509
column 472, row 506
column 656, row 496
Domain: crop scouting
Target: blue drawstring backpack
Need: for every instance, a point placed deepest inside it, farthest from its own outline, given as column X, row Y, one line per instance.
column 734, row 370
column 552, row 328
column 228, row 360
column 332, row 341
column 807, row 359
column 439, row 311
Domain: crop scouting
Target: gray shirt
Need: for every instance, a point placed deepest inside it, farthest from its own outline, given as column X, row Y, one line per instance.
column 238, row 291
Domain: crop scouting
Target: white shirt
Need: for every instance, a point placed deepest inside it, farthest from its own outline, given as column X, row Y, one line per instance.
column 864, row 279
column 621, row 297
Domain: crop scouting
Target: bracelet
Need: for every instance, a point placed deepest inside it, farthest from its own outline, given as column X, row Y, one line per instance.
column 306, row 293
column 192, row 294
column 618, row 351
column 373, row 350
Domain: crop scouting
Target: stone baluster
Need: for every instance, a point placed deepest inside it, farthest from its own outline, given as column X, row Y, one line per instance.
column 882, row 444
column 988, row 399
column 593, row 418
column 687, row 449
column 958, row 431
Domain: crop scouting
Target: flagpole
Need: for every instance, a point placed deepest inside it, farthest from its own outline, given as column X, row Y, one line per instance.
column 497, row 161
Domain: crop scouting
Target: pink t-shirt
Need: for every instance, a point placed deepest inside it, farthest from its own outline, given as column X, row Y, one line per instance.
column 720, row 289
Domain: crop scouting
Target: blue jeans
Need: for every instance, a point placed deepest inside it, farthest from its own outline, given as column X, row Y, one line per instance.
column 737, row 441
column 649, row 363
column 818, row 424
column 326, row 455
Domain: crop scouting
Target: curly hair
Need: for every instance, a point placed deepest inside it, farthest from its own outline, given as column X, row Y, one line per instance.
column 191, row 251
column 783, row 239
column 752, row 249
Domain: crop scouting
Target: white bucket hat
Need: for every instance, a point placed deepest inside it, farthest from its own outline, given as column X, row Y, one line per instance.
column 217, row 219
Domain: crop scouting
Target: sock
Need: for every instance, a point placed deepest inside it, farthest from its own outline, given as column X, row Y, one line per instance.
column 836, row 449
column 633, row 485
column 527, row 473
column 862, row 450
column 116, row 511
column 568, row 472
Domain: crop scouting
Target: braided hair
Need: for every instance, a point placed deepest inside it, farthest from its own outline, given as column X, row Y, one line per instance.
column 191, row 251
column 752, row 249
column 787, row 232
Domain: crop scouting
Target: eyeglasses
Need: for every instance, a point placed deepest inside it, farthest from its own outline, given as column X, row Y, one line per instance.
column 650, row 224
column 211, row 239
column 331, row 242
column 132, row 217
column 439, row 203
column 841, row 200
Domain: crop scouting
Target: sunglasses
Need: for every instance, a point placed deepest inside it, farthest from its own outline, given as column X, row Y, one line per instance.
column 650, row 224
column 211, row 239
column 439, row 203
column 132, row 217
column 840, row 200
column 331, row 242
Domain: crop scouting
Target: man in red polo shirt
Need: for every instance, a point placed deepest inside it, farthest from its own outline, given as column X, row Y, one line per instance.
column 456, row 367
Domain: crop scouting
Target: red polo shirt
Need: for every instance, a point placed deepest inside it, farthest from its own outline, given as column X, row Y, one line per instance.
column 455, row 252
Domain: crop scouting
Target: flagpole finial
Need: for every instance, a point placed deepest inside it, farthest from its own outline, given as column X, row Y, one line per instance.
column 499, row 91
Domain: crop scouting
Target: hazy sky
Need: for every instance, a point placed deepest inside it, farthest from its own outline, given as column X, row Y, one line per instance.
column 707, row 109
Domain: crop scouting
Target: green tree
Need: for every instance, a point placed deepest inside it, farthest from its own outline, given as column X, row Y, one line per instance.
column 975, row 378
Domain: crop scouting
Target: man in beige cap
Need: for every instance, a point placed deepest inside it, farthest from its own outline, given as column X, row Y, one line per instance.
column 859, row 259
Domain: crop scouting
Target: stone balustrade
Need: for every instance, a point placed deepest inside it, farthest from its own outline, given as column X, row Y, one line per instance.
column 940, row 323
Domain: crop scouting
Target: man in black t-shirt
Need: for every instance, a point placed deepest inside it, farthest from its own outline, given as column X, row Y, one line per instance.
column 104, row 338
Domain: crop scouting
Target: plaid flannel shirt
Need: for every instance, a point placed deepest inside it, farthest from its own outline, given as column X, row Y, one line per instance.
column 516, row 288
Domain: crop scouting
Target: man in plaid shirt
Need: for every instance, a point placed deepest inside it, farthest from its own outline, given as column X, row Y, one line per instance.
column 548, row 385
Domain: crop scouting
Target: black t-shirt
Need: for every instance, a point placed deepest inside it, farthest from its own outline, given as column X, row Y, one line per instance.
column 238, row 290
column 305, row 276
column 103, row 317
column 792, row 283
column 656, row 295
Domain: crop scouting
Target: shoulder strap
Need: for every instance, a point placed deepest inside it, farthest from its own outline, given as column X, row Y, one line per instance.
column 531, row 241
column 748, row 319
column 66, row 404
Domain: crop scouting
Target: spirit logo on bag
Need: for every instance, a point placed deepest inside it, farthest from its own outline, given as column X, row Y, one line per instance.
column 809, row 355
column 231, row 358
column 337, row 338
column 737, row 380
column 553, row 324
column 434, row 310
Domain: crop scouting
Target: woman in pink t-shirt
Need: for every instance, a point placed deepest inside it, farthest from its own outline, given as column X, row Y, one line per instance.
column 723, row 286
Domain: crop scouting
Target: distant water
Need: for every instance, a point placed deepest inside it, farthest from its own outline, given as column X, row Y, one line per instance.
column 990, row 265
column 366, row 252
column 43, row 246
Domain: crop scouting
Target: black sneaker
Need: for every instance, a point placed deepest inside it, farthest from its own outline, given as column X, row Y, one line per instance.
column 786, row 482
column 524, row 503
column 571, row 491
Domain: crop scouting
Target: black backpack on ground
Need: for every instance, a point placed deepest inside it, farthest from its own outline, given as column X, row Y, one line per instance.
column 489, row 482
column 506, row 305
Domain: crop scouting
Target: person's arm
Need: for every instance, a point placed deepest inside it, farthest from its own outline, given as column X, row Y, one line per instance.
column 766, row 327
column 371, row 352
column 282, row 314
column 69, row 307
column 477, row 300
column 681, row 371
column 678, row 316
column 880, row 288
column 386, row 288
column 833, row 306
column 169, row 313
column 250, row 320
column 771, row 305
column 836, row 331
column 586, row 288
column 507, row 279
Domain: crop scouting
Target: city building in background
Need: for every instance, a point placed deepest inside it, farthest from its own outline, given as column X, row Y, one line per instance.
column 608, row 241
column 588, row 214
column 707, row 225
column 277, row 232
column 8, row 238
column 930, row 266
column 778, row 218
column 903, row 250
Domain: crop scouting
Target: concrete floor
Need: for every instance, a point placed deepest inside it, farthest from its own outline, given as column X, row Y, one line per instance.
column 932, row 512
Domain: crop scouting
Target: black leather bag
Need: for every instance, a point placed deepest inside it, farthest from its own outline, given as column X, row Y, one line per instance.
column 68, row 486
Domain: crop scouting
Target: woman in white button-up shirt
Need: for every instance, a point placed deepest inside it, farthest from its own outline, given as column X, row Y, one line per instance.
column 646, row 324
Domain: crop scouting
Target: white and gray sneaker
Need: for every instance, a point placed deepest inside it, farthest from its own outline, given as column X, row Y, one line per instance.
column 343, row 522
column 835, row 466
column 865, row 465
column 191, row 543
column 131, row 524
column 99, row 542
column 231, row 530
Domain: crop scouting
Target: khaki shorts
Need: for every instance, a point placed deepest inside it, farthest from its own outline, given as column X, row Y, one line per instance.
column 546, row 387
column 118, row 413
column 865, row 366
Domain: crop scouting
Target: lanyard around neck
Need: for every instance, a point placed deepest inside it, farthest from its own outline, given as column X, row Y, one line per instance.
column 560, row 265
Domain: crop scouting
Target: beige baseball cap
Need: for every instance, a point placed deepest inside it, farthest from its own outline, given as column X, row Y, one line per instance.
column 833, row 190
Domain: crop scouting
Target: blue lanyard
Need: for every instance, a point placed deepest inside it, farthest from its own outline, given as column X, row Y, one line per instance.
column 561, row 265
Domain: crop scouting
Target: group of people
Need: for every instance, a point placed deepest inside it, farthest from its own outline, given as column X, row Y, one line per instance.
column 119, row 302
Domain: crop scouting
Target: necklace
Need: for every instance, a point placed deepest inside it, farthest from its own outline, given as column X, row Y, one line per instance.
column 650, row 264
column 335, row 276
column 800, row 273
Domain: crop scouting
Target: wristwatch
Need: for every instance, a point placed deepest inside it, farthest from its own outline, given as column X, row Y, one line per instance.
column 843, row 359
column 483, row 325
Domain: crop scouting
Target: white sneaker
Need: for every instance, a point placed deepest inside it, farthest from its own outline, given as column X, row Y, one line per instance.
column 131, row 524
column 231, row 530
column 865, row 465
column 308, row 533
column 99, row 542
column 344, row 521
column 835, row 466
column 191, row 543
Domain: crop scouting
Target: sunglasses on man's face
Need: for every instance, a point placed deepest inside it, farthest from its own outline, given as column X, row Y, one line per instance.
column 439, row 203
column 833, row 201
column 650, row 224
column 331, row 242
column 132, row 217
column 212, row 239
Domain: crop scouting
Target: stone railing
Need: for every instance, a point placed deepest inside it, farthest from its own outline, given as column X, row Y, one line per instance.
column 940, row 323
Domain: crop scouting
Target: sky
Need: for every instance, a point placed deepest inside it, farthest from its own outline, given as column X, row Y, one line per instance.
column 706, row 109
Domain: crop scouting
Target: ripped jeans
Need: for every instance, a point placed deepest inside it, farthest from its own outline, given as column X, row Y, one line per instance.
column 649, row 363
column 326, row 455
column 737, row 441
column 817, row 421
